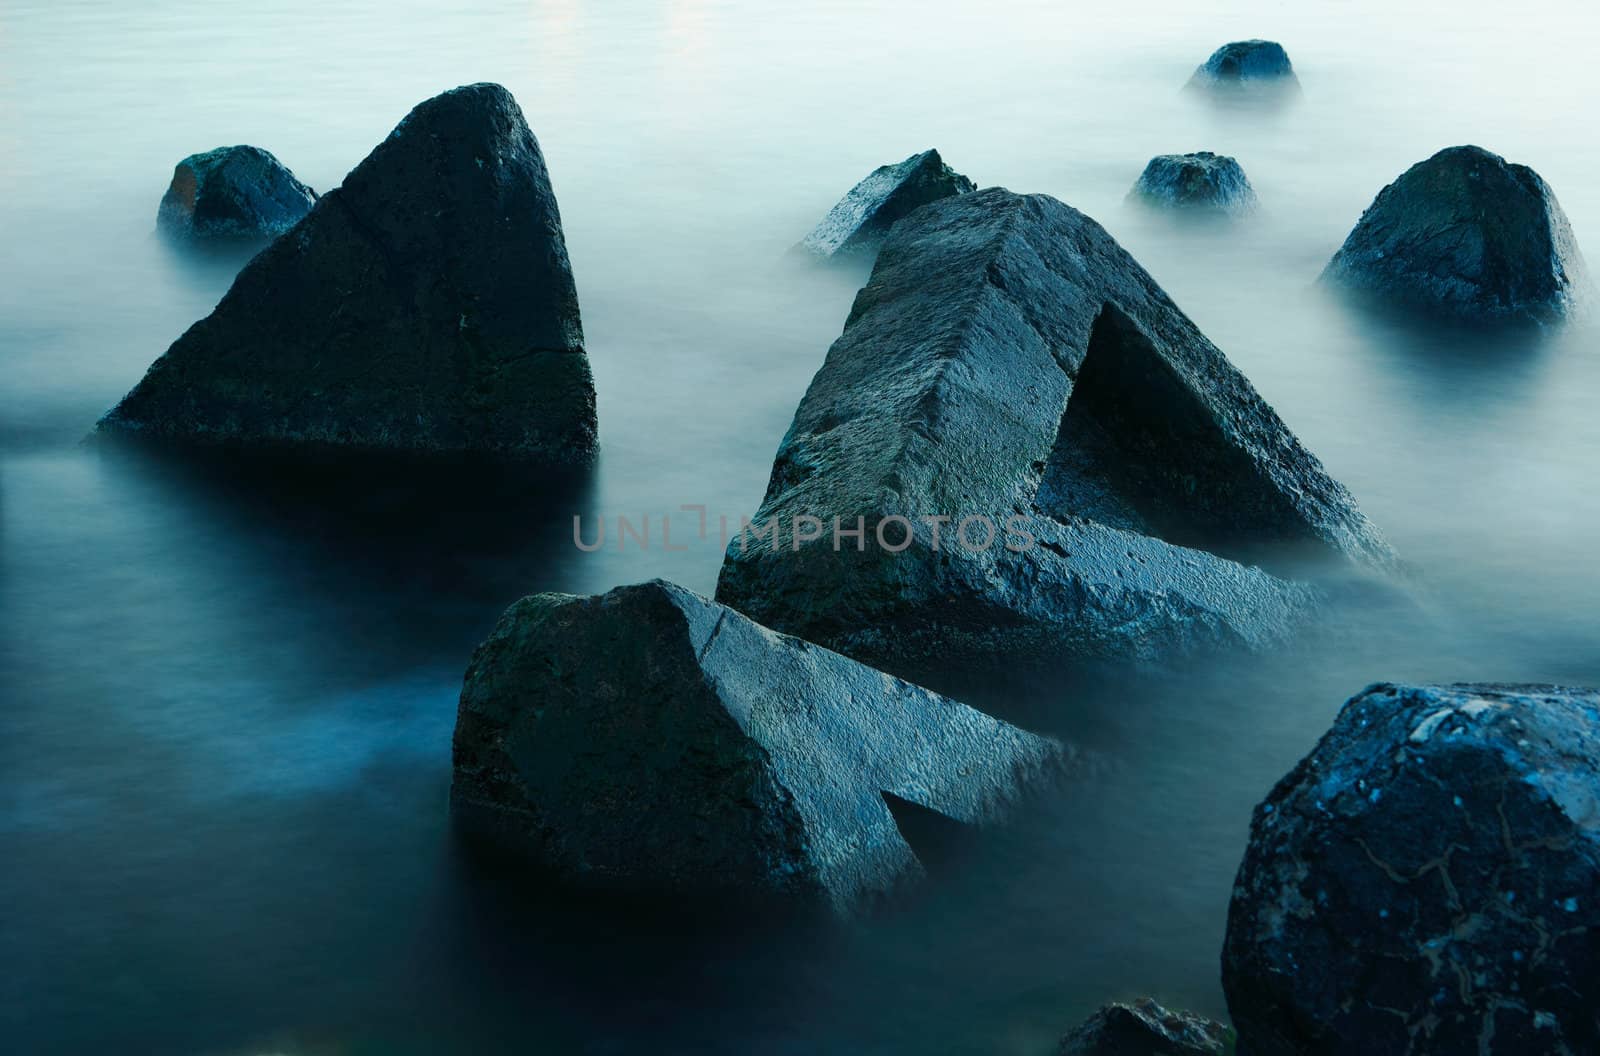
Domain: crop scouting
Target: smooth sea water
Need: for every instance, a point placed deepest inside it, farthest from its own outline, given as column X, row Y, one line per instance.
column 226, row 697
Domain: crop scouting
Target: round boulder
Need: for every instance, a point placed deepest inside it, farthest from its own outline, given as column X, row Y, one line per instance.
column 1201, row 182
column 1246, row 62
column 1469, row 235
column 240, row 193
column 1427, row 880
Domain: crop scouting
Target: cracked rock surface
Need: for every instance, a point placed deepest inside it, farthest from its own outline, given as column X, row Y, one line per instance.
column 1427, row 880
column 425, row 306
column 861, row 220
column 1009, row 360
column 232, row 193
column 653, row 741
column 1144, row 1028
column 1469, row 235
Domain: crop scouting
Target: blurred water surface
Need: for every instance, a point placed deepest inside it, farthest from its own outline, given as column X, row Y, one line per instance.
column 226, row 699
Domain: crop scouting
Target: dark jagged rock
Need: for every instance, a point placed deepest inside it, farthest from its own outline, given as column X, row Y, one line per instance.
column 1246, row 63
column 424, row 306
column 1009, row 360
column 1427, row 880
column 1202, row 181
column 1469, row 235
column 861, row 220
column 232, row 193
column 651, row 740
column 1144, row 1028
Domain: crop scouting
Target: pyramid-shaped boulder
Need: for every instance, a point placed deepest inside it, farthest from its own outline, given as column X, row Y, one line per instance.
column 424, row 306
column 857, row 225
column 1009, row 368
column 649, row 740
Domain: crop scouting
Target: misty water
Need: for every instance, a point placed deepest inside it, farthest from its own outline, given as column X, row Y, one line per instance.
column 226, row 696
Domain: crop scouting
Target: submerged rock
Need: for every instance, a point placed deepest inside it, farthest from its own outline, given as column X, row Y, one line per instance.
column 1202, row 181
column 1045, row 456
column 1144, row 1028
column 1427, row 880
column 232, row 193
column 1246, row 63
column 861, row 220
column 651, row 740
column 424, row 306
column 1467, row 234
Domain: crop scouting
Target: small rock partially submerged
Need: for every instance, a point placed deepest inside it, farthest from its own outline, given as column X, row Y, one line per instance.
column 1144, row 1028
column 1246, row 63
column 653, row 741
column 425, row 306
column 1427, row 880
column 1469, row 235
column 861, row 220
column 1101, row 470
column 238, row 193
column 1202, row 181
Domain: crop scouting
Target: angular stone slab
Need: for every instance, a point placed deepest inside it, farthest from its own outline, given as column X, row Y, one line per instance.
column 1469, row 235
column 653, row 741
column 238, row 193
column 424, row 306
column 1008, row 359
column 861, row 220
column 1427, row 880
column 1199, row 182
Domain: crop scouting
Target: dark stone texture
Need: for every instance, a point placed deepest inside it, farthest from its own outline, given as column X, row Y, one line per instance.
column 1244, row 63
column 860, row 222
column 649, row 740
column 1468, row 235
column 1202, row 181
column 1144, row 1028
column 232, row 193
column 1008, row 359
column 1427, row 880
column 425, row 306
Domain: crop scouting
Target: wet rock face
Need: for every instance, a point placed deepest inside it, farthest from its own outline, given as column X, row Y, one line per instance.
column 1427, row 880
column 653, row 741
column 1009, row 361
column 1144, row 1028
column 1246, row 62
column 1201, row 182
column 232, row 193
column 425, row 306
column 860, row 222
column 1468, row 235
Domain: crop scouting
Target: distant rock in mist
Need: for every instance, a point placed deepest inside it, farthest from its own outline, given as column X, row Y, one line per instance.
column 1427, row 880
column 650, row 741
column 1144, row 1028
column 1467, row 235
column 425, row 306
column 859, row 223
column 1202, row 182
column 238, row 193
column 1247, row 64
column 1010, row 363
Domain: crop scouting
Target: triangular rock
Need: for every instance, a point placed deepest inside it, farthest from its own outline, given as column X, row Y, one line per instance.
column 426, row 305
column 861, row 220
column 1009, row 361
column 651, row 740
column 1467, row 234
